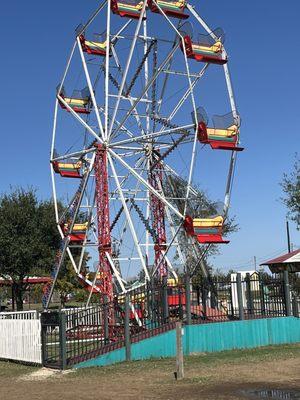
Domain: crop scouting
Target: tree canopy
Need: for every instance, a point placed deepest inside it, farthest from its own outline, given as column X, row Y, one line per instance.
column 291, row 188
column 28, row 238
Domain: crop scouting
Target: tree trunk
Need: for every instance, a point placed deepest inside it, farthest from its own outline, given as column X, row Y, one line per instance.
column 63, row 299
column 13, row 296
column 19, row 296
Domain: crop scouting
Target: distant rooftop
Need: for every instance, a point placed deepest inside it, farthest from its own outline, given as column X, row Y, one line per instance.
column 289, row 261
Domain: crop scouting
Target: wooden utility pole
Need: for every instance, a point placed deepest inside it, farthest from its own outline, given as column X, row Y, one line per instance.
column 288, row 236
column 179, row 374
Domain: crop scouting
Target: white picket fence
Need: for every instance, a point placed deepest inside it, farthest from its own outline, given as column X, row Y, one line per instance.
column 20, row 336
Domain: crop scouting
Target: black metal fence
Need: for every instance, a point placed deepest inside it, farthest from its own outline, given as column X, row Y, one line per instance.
column 78, row 334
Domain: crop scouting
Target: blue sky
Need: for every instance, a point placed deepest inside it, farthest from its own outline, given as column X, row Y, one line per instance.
column 262, row 41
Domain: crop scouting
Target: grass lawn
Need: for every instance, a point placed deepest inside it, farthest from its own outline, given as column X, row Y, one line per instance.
column 207, row 376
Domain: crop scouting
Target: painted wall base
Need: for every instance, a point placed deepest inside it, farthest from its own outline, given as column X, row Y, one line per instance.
column 212, row 337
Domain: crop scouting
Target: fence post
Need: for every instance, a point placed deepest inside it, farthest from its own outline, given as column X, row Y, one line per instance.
column 105, row 320
column 154, row 290
column 179, row 374
column 62, row 340
column 165, row 299
column 43, row 339
column 240, row 295
column 295, row 303
column 204, row 297
column 149, row 299
column 188, row 299
column 287, row 294
column 127, row 328
column 262, row 295
column 249, row 295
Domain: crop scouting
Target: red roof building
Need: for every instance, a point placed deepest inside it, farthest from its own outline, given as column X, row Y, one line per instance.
column 31, row 280
column 288, row 261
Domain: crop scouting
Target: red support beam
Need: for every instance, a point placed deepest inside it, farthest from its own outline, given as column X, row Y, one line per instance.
column 158, row 219
column 104, row 237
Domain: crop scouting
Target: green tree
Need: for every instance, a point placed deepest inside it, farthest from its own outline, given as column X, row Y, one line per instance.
column 68, row 282
column 291, row 188
column 28, row 238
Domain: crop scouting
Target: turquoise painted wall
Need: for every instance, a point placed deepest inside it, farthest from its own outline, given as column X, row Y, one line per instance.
column 241, row 334
column 113, row 357
column 209, row 338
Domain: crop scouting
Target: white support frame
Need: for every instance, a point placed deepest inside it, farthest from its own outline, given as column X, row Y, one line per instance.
column 138, row 144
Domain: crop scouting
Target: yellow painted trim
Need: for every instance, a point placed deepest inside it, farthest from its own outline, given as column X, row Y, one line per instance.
column 97, row 44
column 216, row 48
column 70, row 165
column 208, row 222
column 231, row 131
column 79, row 102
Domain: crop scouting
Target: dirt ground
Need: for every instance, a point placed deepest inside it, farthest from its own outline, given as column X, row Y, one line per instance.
column 207, row 376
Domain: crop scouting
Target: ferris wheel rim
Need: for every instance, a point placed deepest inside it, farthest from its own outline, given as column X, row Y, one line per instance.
column 107, row 140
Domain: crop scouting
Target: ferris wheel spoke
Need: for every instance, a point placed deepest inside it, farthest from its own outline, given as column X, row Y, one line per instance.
column 145, row 183
column 118, row 215
column 128, row 217
column 164, row 253
column 147, row 86
column 92, row 18
column 196, row 121
column 184, row 98
column 188, row 92
column 139, row 69
column 123, row 96
column 164, row 86
column 75, row 154
column 174, row 234
column 87, row 127
column 89, row 222
column 67, row 67
column 116, row 273
column 150, row 136
column 92, row 94
column 127, row 66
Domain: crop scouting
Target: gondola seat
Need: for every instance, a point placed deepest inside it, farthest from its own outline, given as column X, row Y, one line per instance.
column 93, row 47
column 206, row 230
column 170, row 8
column 78, row 233
column 68, row 169
column 208, row 53
column 127, row 8
column 80, row 101
column 219, row 139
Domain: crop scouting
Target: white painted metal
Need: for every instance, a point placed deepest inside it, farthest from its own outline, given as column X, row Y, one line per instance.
column 128, row 217
column 20, row 334
column 129, row 132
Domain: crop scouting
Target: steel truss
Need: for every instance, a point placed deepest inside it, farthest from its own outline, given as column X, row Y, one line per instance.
column 129, row 144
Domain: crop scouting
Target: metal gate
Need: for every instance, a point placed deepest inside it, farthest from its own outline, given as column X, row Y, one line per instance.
column 53, row 339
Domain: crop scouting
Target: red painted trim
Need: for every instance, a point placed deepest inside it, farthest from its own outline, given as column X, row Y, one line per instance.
column 175, row 14
column 115, row 9
column 30, row 281
column 198, row 57
column 216, row 144
column 89, row 50
column 212, row 238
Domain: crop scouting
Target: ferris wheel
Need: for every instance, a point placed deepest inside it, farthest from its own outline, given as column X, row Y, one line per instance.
column 132, row 139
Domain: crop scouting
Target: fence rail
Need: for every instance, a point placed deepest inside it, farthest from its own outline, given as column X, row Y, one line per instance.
column 71, row 335
column 22, row 315
column 20, row 336
column 76, row 335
